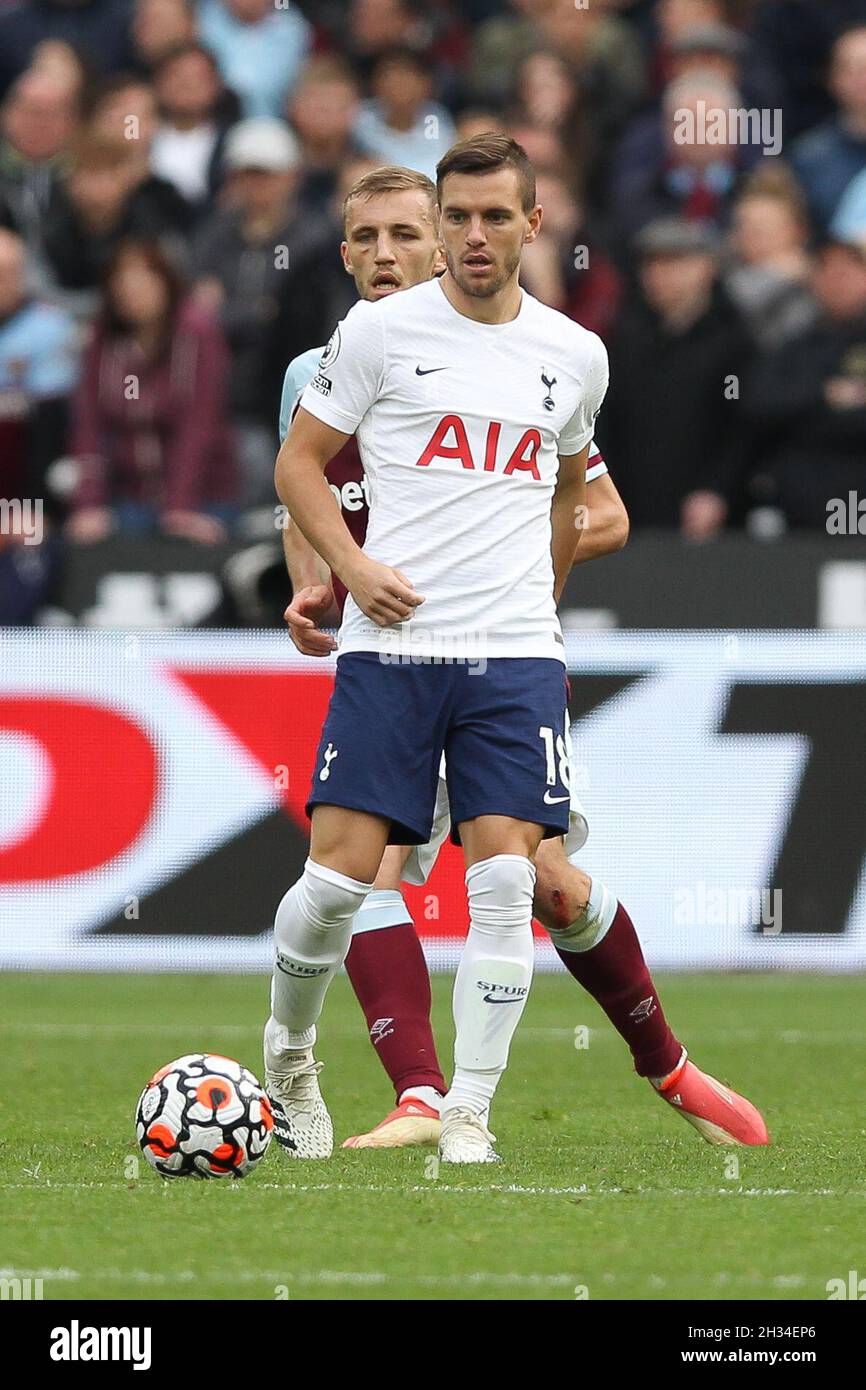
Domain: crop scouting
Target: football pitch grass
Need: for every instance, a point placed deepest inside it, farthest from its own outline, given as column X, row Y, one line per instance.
column 604, row 1191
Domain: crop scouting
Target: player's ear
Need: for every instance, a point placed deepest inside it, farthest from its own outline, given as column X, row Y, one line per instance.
column 347, row 264
column 534, row 220
column 440, row 265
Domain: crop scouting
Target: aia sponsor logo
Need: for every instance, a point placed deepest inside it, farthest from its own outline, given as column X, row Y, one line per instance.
column 450, row 441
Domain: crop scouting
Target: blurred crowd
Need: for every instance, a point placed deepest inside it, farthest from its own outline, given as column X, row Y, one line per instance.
column 171, row 179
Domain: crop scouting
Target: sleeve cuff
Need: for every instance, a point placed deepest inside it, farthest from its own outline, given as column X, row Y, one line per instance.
column 567, row 447
column 323, row 410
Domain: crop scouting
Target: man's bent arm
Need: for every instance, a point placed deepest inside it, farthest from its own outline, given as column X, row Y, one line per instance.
column 568, row 515
column 606, row 524
column 301, row 486
column 305, row 567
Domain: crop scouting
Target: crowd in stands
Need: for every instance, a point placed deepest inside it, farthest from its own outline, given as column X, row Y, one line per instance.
column 171, row 180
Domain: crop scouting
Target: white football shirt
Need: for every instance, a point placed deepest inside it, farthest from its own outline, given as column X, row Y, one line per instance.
column 460, row 426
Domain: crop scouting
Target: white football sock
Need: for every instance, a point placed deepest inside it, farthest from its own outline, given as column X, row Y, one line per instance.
column 593, row 924
column 494, row 976
column 427, row 1094
column 312, row 931
column 384, row 907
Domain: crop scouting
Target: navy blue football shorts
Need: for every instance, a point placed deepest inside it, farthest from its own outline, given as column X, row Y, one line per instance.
column 501, row 727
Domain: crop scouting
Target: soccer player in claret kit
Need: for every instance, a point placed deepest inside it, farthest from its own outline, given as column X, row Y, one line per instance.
column 489, row 209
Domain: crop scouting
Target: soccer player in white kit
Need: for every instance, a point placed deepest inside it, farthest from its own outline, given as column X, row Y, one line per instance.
column 391, row 244
column 474, row 407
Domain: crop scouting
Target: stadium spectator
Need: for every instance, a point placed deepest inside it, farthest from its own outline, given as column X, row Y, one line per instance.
column 323, row 110
column 667, row 165
column 544, row 147
column 709, row 34
column 54, row 58
column 37, row 376
column 376, row 27
column 260, row 49
column 499, row 46
column 151, row 436
column 401, row 123
column 261, row 232
column 768, row 277
column 189, row 139
column 124, row 113
column 849, row 223
column 722, row 49
column 563, row 269
column 711, row 47
column 827, row 158
column 478, row 120
column 796, row 38
column 98, row 29
column 240, row 256
column 675, row 17
column 600, row 46
column 159, row 27
column 603, row 51
column 548, row 99
column 672, row 420
column 313, row 295
column 107, row 195
column 38, row 121
column 808, row 398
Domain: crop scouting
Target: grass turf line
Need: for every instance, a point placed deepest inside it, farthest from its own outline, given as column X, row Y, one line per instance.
column 603, row 1186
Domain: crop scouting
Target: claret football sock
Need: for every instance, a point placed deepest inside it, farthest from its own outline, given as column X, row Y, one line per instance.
column 493, row 979
column 312, row 931
column 614, row 972
column 389, row 975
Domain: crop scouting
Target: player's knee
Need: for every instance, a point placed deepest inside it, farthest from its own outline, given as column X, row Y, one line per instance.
column 348, row 842
column 500, row 893
column 322, row 897
column 561, row 889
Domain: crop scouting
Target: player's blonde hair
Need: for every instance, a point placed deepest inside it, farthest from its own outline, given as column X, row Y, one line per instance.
column 390, row 178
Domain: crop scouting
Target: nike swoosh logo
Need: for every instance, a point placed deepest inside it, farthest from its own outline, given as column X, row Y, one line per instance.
column 489, row 999
column 427, row 372
column 553, row 800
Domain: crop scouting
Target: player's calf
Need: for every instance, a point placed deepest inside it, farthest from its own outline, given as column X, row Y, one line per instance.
column 597, row 943
column 490, row 992
column 312, row 931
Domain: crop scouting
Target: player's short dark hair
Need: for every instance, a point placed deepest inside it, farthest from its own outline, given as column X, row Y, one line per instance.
column 484, row 154
column 390, row 178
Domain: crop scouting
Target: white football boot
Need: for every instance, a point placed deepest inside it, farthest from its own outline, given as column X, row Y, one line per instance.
column 302, row 1125
column 465, row 1138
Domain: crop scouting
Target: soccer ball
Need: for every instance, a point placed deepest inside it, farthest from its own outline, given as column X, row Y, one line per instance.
column 203, row 1116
